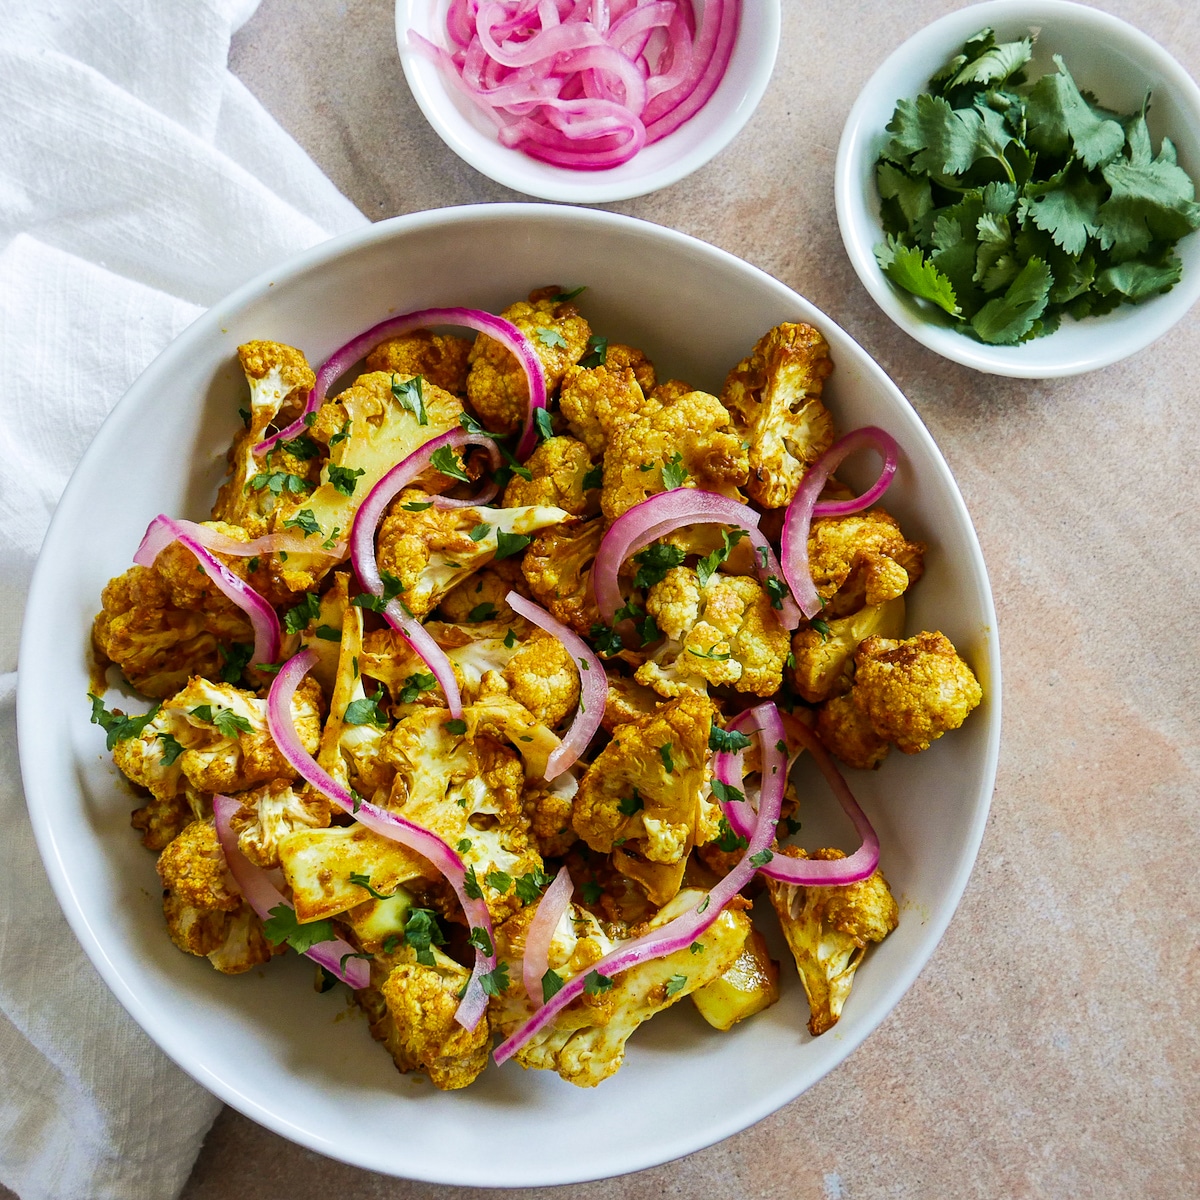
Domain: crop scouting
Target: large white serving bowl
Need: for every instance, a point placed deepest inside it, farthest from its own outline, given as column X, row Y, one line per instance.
column 1117, row 62
column 303, row 1064
column 471, row 134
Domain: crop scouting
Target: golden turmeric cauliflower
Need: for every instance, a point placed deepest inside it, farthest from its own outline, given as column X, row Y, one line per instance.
column 724, row 633
column 846, row 731
column 913, row 691
column 774, row 397
column 271, row 812
column 439, row 358
column 823, row 651
column 862, row 559
column 558, row 569
column 691, row 433
column 482, row 596
column 432, row 550
column 827, row 931
column 496, row 385
column 560, row 467
column 644, row 798
column 596, row 401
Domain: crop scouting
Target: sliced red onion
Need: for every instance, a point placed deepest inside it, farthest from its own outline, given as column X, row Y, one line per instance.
column 222, row 543
column 683, row 930
column 497, row 328
column 540, row 933
column 806, row 872
column 336, row 955
column 362, row 550
column 659, row 515
column 163, row 530
column 668, row 111
column 804, row 506
column 593, row 685
column 383, row 822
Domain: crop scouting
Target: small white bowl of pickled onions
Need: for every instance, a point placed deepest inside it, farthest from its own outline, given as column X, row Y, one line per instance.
column 587, row 101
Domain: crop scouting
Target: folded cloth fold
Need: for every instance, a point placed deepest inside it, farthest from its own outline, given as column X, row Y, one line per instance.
column 139, row 182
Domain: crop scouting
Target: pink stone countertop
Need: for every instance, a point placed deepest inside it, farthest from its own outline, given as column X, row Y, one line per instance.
column 1050, row 1048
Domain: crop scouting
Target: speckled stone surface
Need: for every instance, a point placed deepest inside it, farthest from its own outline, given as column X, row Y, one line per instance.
column 1050, row 1048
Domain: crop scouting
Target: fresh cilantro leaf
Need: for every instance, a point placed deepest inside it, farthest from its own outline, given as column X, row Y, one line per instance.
column 591, row 892
column 446, row 461
column 676, row 984
column 244, row 413
column 1137, row 280
column 761, row 858
column 727, row 840
column 328, row 633
column 411, row 396
column 711, row 653
column 471, row 885
column 594, row 478
column 595, row 983
column 654, row 562
column 326, row 980
column 456, row 727
column 530, row 885
column 726, row 792
column 481, row 940
column 543, row 423
column 510, row 639
column 237, row 657
column 495, row 983
column 1058, row 115
column 777, row 591
column 552, row 984
column 707, row 567
column 365, row 711
column 364, row 881
column 500, row 880
column 820, row 626
column 305, row 521
column 302, row 448
column 940, row 140
column 1066, row 206
column 508, row 544
column 392, row 587
column 791, row 825
column 995, row 65
column 597, row 352
column 911, row 198
column 907, row 267
column 422, row 932
column 550, row 337
column 299, row 618
column 282, row 926
column 728, row 741
column 417, row 505
column 229, row 724
column 471, row 425
column 674, row 473
column 479, row 532
column 171, row 749
column 341, row 435
column 344, row 479
column 607, row 641
column 1006, row 320
column 483, row 612
column 278, row 482
column 563, row 297
column 202, row 712
column 628, row 805
column 664, row 752
column 697, row 947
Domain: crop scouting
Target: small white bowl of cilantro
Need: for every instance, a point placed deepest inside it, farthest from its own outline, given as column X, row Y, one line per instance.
column 1015, row 188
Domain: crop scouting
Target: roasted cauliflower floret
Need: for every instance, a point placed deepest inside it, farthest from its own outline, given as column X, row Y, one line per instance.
column 724, row 633
column 846, row 731
column 496, row 385
column 162, row 624
column 691, row 433
column 482, row 596
column 435, row 770
column 644, row 799
column 280, row 380
column 774, row 397
column 549, row 807
column 560, row 467
column 860, row 560
column 628, row 700
column 913, row 691
column 271, row 812
column 558, row 569
column 585, row 1043
column 823, row 651
column 419, row 1028
column 827, row 931
column 440, row 358
column 375, row 423
column 544, row 678
column 432, row 550
column 596, row 401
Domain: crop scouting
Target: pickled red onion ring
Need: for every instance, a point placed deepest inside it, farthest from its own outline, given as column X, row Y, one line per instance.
column 336, row 955
column 593, row 685
column 540, row 934
column 497, row 328
column 269, row 543
column 804, row 506
column 659, row 515
column 362, row 551
column 682, row 931
column 163, row 530
column 382, row 821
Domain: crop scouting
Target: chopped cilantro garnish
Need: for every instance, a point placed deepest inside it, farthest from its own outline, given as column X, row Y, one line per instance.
column 479, row 532
column 495, row 983
column 500, row 880
column 727, row 840
column 229, row 724
column 417, row 505
column 481, row 940
column 422, row 932
column 707, row 567
column 457, row 727
column 654, row 562
column 563, row 297
column 364, row 881
column 791, row 825
column 483, row 612
column 594, row 478
column 628, row 805
column 244, row 413
column 550, row 337
column 471, row 885
column 328, row 633
column 596, row 983
column 299, row 618
column 411, row 396
column 761, row 858
column 674, row 472
column 446, row 461
column 237, row 657
column 530, row 885
column 726, row 793
column 592, row 891
column 463, row 845
column 508, row 544
column 597, row 352
column 664, row 752
column 711, row 653
column 676, row 984
column 822, row 627
column 776, row 589
column 304, row 521
column 252, row 565
column 552, row 984
column 365, row 711
column 302, row 448
column 728, row 740
column 543, row 423
column 392, row 587
column 278, row 482
column 171, row 749
column 344, row 479
column 697, row 947
column 607, row 641
column 414, row 685
column 282, row 926
column 341, row 435
column 510, row 639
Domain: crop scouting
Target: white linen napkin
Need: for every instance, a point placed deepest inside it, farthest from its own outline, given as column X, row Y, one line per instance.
column 139, row 182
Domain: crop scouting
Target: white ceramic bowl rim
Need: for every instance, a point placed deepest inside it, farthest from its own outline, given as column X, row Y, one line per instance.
column 665, row 162
column 1075, row 347
column 52, row 759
